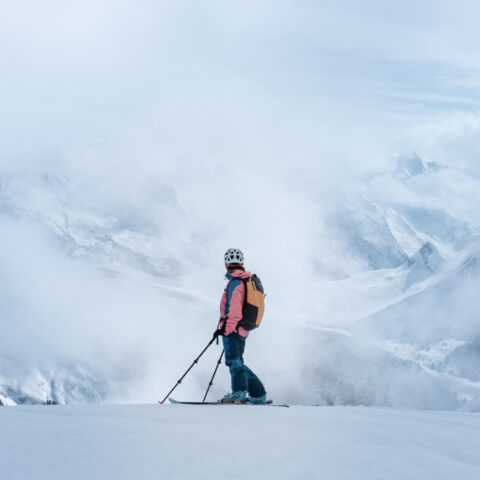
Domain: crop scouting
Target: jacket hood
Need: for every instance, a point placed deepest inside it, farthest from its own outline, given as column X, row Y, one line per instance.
column 238, row 274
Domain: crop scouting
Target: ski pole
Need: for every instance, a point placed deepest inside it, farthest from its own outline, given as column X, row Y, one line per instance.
column 213, row 376
column 191, row 366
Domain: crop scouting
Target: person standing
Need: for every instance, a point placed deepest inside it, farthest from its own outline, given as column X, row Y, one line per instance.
column 234, row 335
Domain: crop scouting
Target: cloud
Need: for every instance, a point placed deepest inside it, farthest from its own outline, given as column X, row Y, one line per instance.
column 185, row 83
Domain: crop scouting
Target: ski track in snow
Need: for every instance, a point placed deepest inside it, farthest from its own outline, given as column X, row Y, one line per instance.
column 212, row 442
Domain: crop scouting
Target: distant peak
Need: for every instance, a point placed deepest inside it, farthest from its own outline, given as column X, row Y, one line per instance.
column 427, row 250
column 426, row 262
column 427, row 256
column 412, row 165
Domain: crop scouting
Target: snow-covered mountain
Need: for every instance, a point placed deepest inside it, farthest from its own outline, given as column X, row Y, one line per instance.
column 156, row 240
column 48, row 219
column 406, row 302
column 388, row 316
column 55, row 385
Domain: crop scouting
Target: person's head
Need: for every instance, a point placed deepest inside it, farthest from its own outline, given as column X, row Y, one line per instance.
column 233, row 259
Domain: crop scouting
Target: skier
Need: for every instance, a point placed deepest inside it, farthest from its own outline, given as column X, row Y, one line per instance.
column 234, row 336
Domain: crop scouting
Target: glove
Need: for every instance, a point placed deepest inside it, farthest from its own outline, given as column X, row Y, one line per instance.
column 218, row 332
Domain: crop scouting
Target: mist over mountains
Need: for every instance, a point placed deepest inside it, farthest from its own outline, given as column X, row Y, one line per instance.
column 107, row 301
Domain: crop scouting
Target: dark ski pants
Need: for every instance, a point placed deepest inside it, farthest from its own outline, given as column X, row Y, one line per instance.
column 242, row 377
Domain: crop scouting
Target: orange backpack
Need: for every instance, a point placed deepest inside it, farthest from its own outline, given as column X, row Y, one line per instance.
column 254, row 304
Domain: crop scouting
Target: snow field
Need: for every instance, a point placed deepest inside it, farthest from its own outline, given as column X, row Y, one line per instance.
column 236, row 442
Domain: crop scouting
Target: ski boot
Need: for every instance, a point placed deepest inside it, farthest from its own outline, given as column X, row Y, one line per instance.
column 258, row 400
column 235, row 397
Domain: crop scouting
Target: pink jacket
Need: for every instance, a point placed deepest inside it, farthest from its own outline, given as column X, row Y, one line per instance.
column 232, row 302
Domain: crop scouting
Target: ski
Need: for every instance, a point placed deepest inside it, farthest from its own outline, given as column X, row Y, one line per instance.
column 269, row 403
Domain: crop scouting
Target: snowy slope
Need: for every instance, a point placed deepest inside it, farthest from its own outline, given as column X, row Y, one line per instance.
column 395, row 306
column 85, row 224
column 52, row 228
column 184, row 442
column 21, row 383
column 382, row 220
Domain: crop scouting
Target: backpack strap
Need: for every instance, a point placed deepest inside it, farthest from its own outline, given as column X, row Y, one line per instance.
column 244, row 281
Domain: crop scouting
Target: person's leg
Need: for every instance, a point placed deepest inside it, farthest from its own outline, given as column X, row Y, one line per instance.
column 234, row 346
column 255, row 386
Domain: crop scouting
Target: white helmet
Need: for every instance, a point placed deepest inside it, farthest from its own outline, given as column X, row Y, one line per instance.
column 233, row 255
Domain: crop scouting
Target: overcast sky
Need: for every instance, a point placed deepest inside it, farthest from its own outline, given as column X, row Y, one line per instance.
column 223, row 81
